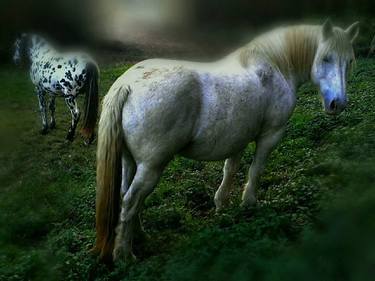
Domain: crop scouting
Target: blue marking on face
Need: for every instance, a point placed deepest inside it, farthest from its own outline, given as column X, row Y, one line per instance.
column 329, row 74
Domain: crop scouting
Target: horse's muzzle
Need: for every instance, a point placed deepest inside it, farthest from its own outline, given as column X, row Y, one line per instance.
column 335, row 106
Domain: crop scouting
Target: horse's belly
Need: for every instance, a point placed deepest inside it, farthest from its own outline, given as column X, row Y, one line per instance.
column 212, row 146
column 203, row 153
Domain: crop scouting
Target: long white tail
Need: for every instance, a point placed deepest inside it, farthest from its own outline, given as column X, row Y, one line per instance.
column 110, row 146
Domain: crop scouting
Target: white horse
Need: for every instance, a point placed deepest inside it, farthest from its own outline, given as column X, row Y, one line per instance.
column 207, row 111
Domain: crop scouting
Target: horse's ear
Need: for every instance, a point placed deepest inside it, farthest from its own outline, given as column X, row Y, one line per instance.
column 353, row 31
column 327, row 29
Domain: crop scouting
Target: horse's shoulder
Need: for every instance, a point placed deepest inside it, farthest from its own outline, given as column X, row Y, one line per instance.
column 265, row 72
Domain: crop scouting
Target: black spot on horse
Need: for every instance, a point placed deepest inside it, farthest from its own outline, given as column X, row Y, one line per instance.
column 45, row 80
column 68, row 75
column 59, row 66
column 68, row 85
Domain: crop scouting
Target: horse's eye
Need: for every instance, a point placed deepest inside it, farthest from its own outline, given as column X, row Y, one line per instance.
column 326, row 59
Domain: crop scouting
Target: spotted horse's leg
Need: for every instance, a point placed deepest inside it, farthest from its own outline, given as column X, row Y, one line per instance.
column 52, row 107
column 43, row 110
column 72, row 104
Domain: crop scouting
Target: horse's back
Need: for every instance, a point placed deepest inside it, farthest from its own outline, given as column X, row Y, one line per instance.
column 161, row 110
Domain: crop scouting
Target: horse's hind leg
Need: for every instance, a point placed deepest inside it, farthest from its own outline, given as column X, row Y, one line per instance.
column 230, row 168
column 128, row 171
column 145, row 179
column 72, row 104
column 43, row 111
column 264, row 146
column 52, row 108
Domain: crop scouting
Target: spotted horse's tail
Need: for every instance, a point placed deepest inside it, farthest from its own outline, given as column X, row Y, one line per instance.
column 91, row 103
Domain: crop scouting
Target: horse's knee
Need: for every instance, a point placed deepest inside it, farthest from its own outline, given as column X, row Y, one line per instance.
column 132, row 201
column 52, row 106
column 76, row 115
column 142, row 185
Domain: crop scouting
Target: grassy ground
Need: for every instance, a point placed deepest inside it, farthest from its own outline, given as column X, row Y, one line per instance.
column 314, row 221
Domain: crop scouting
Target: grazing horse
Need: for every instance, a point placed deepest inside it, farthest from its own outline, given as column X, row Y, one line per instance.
column 66, row 74
column 207, row 111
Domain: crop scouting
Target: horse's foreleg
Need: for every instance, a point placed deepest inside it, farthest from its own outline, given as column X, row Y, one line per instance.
column 264, row 145
column 43, row 111
column 52, row 107
column 230, row 168
column 144, row 181
column 72, row 104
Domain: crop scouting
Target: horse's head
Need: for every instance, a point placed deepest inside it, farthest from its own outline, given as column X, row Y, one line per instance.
column 332, row 64
column 21, row 49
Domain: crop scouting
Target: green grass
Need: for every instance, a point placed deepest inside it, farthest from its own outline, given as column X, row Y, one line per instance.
column 314, row 220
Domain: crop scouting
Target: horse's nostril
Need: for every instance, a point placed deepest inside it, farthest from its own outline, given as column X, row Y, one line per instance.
column 333, row 105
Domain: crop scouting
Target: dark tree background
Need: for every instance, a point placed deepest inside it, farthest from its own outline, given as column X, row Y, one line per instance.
column 68, row 20
column 72, row 20
column 261, row 12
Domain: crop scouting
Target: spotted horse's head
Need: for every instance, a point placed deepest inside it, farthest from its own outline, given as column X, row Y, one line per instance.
column 22, row 46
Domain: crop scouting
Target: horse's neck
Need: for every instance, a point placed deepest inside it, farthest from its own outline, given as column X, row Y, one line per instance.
column 38, row 48
column 291, row 50
column 301, row 44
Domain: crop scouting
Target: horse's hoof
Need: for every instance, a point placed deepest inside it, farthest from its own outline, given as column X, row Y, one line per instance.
column 248, row 202
column 70, row 137
column 221, row 203
column 142, row 237
column 219, row 207
column 121, row 253
column 44, row 131
column 219, row 210
column 89, row 141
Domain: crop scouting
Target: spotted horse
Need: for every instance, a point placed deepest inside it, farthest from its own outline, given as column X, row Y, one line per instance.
column 60, row 74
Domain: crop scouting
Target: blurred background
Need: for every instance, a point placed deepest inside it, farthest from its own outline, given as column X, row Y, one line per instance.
column 143, row 28
column 315, row 219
